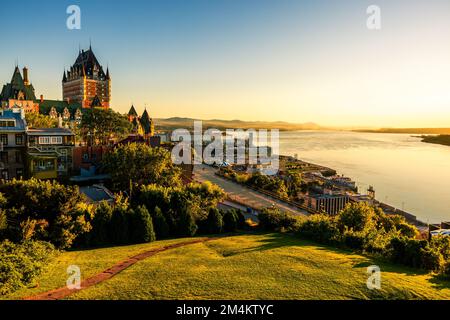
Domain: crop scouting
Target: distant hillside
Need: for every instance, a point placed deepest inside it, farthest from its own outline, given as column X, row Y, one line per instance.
column 410, row 130
column 188, row 123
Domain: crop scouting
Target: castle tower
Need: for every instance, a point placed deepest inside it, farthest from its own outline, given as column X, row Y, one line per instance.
column 86, row 81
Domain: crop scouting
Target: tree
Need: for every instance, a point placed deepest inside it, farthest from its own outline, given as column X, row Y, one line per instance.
column 230, row 220
column 100, row 225
column 141, row 226
column 141, row 164
column 160, row 224
column 357, row 217
column 37, row 120
column 57, row 204
column 119, row 226
column 214, row 222
column 99, row 126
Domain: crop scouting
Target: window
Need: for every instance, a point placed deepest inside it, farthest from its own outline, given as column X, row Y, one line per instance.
column 44, row 140
column 19, row 139
column 44, row 165
column 4, row 139
column 50, row 140
column 4, row 157
column 7, row 123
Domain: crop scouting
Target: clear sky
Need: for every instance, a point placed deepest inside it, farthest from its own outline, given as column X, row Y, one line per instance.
column 268, row 60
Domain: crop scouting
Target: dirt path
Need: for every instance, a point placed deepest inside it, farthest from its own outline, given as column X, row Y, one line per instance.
column 64, row 292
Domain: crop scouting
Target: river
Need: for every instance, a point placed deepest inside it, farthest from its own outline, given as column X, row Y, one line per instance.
column 405, row 172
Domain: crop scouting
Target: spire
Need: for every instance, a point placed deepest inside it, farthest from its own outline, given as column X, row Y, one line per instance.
column 132, row 111
column 64, row 76
column 107, row 74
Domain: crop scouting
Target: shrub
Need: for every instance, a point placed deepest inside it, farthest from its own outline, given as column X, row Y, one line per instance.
column 214, row 222
column 320, row 228
column 21, row 263
column 183, row 222
column 431, row 259
column 160, row 224
column 25, row 201
column 230, row 220
column 356, row 217
column 141, row 226
column 100, row 234
column 407, row 251
column 119, row 226
column 272, row 219
column 354, row 239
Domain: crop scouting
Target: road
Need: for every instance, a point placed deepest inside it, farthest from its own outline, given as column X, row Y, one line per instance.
column 240, row 193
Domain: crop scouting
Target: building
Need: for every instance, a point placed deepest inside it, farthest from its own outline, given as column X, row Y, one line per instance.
column 328, row 203
column 142, row 125
column 19, row 93
column 86, row 82
column 12, row 143
column 68, row 111
column 50, row 152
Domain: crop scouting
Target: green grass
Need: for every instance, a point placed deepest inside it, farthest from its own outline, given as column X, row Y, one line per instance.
column 258, row 266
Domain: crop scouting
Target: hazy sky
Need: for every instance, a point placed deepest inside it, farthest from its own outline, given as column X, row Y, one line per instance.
column 294, row 61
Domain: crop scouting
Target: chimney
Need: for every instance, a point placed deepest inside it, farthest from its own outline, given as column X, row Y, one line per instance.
column 42, row 98
column 25, row 76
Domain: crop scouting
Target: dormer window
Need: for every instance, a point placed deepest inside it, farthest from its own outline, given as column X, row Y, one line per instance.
column 7, row 123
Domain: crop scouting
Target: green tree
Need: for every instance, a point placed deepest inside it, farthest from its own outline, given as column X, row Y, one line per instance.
column 99, row 126
column 37, row 120
column 101, row 224
column 357, row 217
column 119, row 226
column 230, row 220
column 57, row 204
column 214, row 222
column 160, row 224
column 141, row 226
column 141, row 164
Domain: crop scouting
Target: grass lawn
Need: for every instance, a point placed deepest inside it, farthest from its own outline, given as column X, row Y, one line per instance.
column 257, row 266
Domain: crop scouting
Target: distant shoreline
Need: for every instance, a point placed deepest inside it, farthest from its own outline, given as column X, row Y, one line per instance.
column 435, row 131
column 440, row 139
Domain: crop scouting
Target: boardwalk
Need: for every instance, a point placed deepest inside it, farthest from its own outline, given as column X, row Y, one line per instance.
column 244, row 195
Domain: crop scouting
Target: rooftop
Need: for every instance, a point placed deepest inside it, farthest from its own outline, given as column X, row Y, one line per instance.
column 50, row 132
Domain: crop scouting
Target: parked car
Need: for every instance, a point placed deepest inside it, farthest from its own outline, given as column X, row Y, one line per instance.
column 440, row 232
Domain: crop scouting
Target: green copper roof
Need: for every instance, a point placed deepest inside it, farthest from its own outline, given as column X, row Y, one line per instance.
column 46, row 106
column 146, row 122
column 11, row 90
column 132, row 112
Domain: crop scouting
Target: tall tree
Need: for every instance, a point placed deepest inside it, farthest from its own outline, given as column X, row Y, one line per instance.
column 141, row 164
column 99, row 126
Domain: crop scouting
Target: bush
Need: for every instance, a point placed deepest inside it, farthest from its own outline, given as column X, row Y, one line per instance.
column 230, row 220
column 320, row 228
column 184, row 222
column 119, row 226
column 356, row 217
column 21, row 263
column 25, row 201
column 160, row 224
column 272, row 219
column 415, row 253
column 100, row 234
column 214, row 222
column 354, row 239
column 141, row 226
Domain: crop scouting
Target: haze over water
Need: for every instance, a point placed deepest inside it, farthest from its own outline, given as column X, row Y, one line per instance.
column 404, row 171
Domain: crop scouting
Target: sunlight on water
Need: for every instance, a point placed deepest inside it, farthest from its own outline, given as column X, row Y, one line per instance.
column 404, row 171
